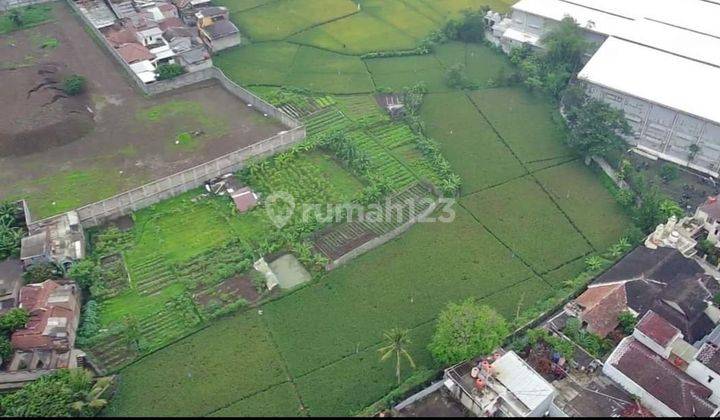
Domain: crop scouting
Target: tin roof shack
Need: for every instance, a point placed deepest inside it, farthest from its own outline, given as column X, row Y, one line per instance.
column 60, row 240
column 47, row 340
column 503, row 385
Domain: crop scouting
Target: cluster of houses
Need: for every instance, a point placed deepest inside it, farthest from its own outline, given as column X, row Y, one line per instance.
column 668, row 366
column 147, row 34
column 47, row 340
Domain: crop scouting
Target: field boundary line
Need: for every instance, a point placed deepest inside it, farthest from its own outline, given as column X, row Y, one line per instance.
column 497, row 238
column 530, row 173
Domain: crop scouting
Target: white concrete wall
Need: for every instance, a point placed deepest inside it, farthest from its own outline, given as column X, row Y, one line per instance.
column 707, row 377
column 664, row 132
column 652, row 345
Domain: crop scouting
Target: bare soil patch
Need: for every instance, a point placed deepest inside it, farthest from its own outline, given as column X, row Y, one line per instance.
column 231, row 289
column 78, row 150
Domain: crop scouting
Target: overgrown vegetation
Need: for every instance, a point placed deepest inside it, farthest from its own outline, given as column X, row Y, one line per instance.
column 593, row 344
column 169, row 71
column 10, row 231
column 64, row 393
column 24, row 17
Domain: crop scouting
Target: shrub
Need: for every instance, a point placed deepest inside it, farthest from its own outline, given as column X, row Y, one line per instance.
column 627, row 322
column 89, row 322
column 470, row 27
column 13, row 319
column 465, row 330
column 6, row 350
column 74, row 85
column 669, row 172
column 10, row 232
column 455, row 77
column 169, row 71
column 85, row 273
column 38, row 273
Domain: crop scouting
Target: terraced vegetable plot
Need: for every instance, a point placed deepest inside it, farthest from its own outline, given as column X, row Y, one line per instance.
column 397, row 175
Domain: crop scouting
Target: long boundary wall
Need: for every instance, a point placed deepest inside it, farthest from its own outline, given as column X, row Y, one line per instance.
column 11, row 4
column 173, row 185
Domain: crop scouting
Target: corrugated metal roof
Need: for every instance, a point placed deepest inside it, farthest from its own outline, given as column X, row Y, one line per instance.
column 525, row 384
column 666, row 79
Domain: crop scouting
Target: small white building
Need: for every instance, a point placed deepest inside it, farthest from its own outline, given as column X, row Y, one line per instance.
column 503, row 385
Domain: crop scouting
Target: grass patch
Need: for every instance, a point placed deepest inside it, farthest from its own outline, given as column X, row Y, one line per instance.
column 278, row 401
column 27, row 17
column 523, row 217
column 324, row 71
column 358, row 34
column 468, row 142
column 279, row 19
column 525, row 121
column 235, row 358
column 603, row 222
column 258, row 64
column 400, row 72
column 402, row 284
column 401, row 16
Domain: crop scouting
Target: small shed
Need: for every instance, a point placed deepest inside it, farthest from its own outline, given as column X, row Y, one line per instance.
column 244, row 198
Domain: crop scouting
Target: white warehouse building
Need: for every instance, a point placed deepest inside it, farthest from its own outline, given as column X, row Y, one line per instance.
column 657, row 60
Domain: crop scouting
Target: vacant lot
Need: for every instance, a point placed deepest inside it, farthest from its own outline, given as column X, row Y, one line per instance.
column 520, row 228
column 81, row 149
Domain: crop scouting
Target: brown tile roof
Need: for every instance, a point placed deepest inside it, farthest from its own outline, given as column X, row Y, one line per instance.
column 711, row 207
column 601, row 306
column 171, row 22
column 118, row 37
column 244, row 199
column 670, row 385
column 44, row 301
column 133, row 53
column 657, row 328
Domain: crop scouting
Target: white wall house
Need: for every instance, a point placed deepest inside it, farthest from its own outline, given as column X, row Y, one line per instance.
column 658, row 61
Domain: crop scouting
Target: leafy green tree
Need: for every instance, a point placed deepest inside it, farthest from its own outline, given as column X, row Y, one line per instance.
column 85, row 273
column 10, row 232
column 465, row 330
column 595, row 128
column 52, row 395
column 38, row 273
column 455, row 77
column 131, row 333
column 14, row 319
column 565, row 46
column 6, row 350
column 74, row 85
column 627, row 322
column 396, row 342
column 169, row 71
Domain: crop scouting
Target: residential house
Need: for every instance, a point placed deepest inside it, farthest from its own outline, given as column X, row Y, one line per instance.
column 652, row 365
column 60, row 240
column 188, row 9
column 189, row 48
column 661, row 280
column 216, row 30
column 47, row 340
column 502, row 385
column 707, row 215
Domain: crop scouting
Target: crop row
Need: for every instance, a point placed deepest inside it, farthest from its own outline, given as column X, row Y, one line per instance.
column 384, row 164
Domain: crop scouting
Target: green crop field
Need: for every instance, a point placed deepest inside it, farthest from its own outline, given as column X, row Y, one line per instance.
column 522, row 226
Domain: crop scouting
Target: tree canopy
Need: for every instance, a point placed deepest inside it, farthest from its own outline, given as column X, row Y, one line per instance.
column 465, row 330
column 596, row 128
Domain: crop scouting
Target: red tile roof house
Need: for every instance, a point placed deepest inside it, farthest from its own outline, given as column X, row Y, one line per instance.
column 134, row 53
column 54, row 317
column 640, row 365
column 599, row 307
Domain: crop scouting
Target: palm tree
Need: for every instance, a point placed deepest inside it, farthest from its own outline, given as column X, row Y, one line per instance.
column 89, row 402
column 396, row 342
